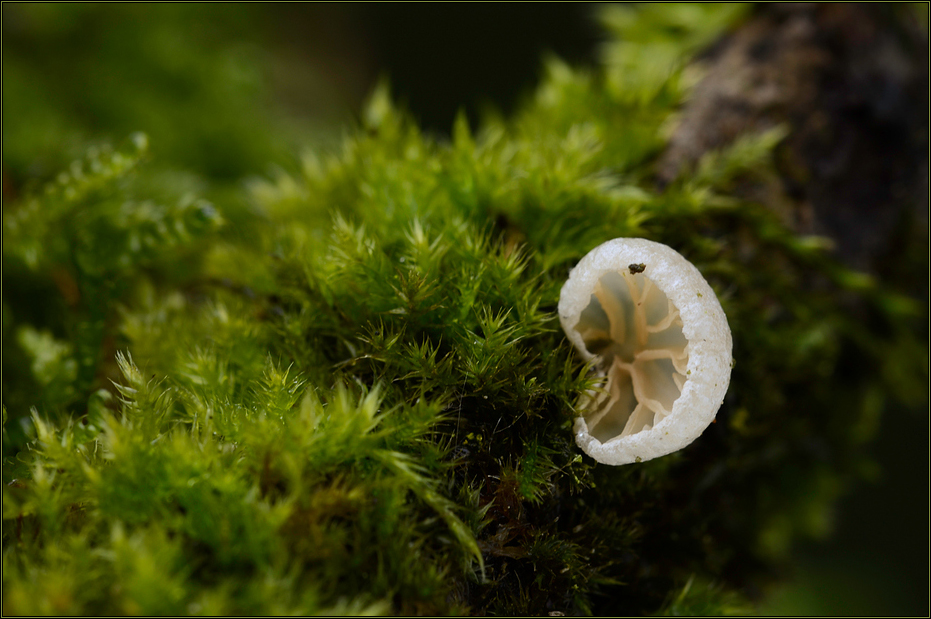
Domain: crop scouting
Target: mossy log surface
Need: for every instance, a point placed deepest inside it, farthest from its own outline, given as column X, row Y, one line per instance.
column 342, row 388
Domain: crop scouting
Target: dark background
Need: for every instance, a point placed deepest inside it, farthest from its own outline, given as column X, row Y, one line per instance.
column 440, row 58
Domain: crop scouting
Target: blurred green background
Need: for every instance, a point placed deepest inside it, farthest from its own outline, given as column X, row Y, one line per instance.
column 232, row 91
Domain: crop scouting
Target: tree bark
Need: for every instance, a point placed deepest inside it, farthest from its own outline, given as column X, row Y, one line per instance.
column 851, row 83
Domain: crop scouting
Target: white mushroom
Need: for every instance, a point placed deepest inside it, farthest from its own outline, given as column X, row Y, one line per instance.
column 660, row 337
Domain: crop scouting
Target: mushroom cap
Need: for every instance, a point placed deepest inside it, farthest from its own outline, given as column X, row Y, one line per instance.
column 704, row 326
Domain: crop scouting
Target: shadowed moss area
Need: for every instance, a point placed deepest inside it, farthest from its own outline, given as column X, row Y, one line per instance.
column 342, row 388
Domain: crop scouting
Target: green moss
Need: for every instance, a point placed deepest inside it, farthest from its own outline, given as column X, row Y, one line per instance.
column 354, row 396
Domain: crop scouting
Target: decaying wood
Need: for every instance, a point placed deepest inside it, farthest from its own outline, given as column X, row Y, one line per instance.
column 851, row 83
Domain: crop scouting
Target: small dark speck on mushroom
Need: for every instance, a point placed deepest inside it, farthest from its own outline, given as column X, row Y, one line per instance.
column 636, row 268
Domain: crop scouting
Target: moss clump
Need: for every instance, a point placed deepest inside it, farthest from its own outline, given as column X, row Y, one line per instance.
column 353, row 396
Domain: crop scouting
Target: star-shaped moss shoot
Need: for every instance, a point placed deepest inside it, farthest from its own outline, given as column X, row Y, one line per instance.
column 660, row 338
